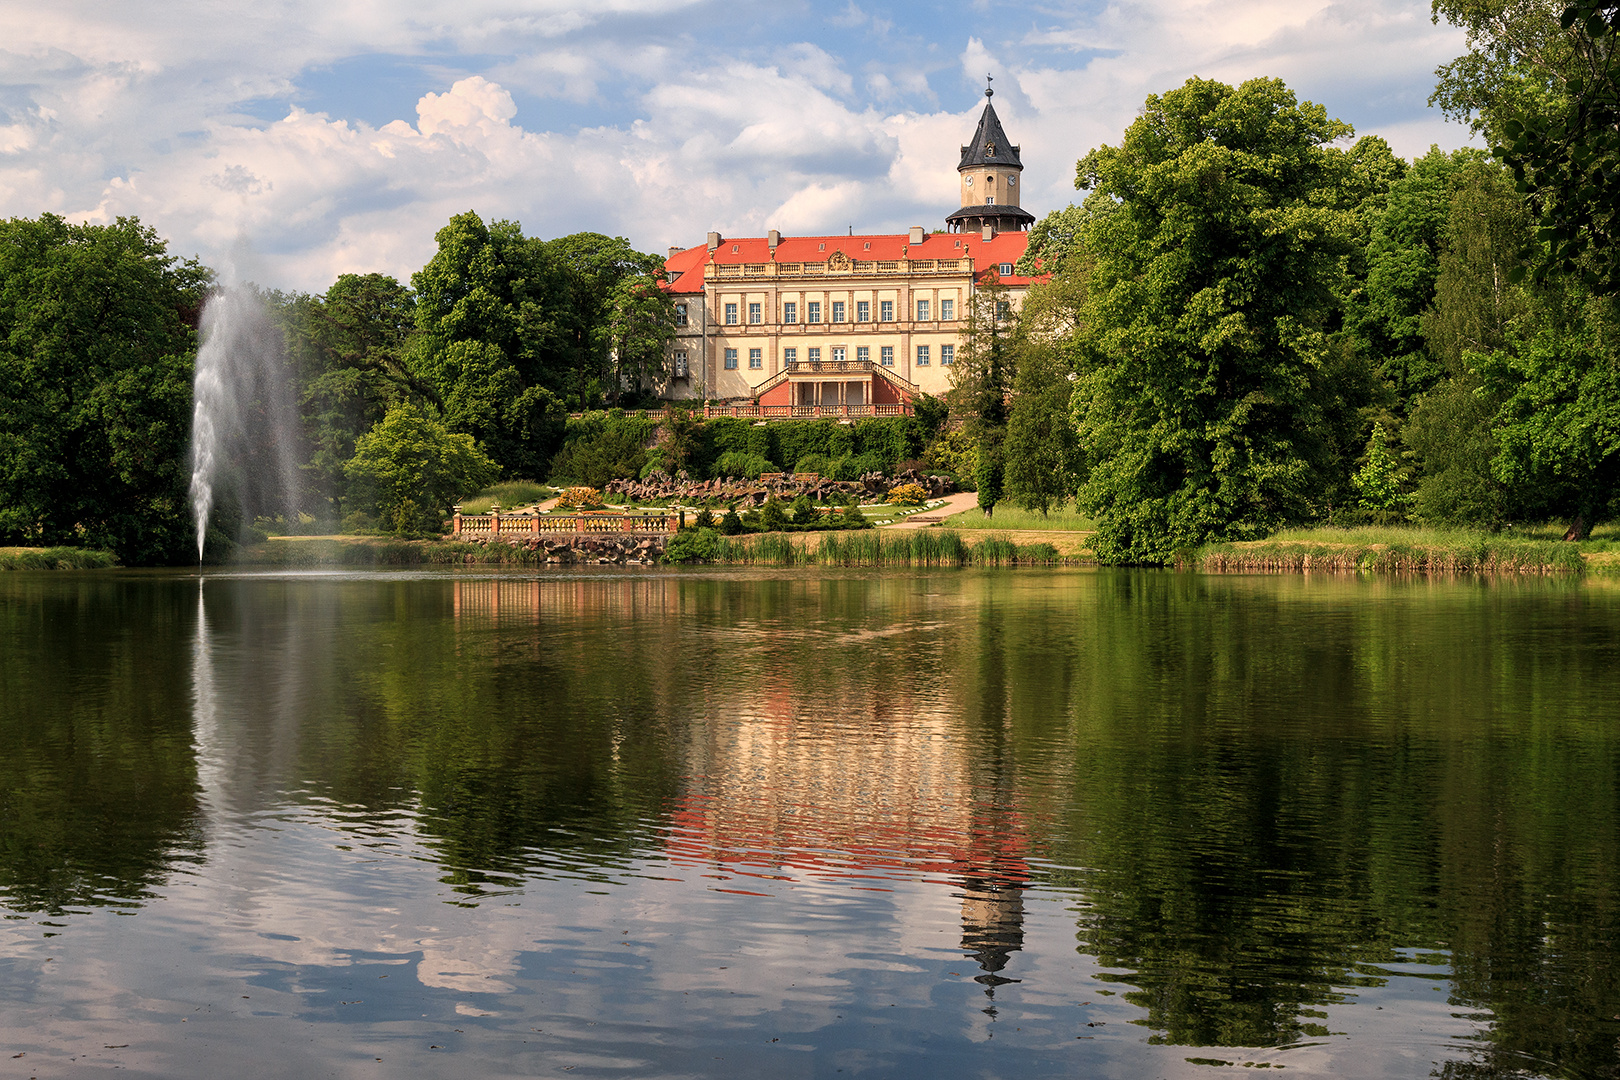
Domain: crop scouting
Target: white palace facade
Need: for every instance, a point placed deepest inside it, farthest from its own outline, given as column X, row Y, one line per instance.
column 846, row 325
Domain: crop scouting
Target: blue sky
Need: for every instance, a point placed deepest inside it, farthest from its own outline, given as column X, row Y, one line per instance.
column 288, row 141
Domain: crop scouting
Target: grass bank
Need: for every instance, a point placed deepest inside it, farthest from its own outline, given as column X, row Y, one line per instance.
column 1397, row 550
column 56, row 558
column 383, row 552
column 922, row 547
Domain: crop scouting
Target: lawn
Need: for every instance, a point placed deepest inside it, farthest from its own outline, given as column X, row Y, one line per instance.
column 1010, row 518
column 511, row 494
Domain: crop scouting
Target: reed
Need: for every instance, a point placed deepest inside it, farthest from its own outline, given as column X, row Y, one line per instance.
column 1393, row 551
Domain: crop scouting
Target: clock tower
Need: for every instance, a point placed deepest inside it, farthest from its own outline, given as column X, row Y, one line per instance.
column 990, row 171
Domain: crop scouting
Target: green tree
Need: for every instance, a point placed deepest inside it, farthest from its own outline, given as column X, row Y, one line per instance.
column 350, row 351
column 412, row 468
column 97, row 341
column 1207, row 383
column 616, row 321
column 489, row 304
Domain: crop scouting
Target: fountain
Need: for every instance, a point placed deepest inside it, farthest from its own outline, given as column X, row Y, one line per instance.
column 244, row 425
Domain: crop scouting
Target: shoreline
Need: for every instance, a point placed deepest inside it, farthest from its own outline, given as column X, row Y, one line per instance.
column 928, row 546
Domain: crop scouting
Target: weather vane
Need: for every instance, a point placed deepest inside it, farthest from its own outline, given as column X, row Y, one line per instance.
column 988, row 91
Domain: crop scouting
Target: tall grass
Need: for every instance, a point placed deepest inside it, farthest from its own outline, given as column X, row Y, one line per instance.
column 56, row 558
column 922, row 547
column 1395, row 550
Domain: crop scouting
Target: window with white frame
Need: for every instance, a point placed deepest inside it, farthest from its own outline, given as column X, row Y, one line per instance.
column 812, row 311
column 863, row 354
column 886, row 311
column 863, row 311
column 922, row 356
column 756, row 359
column 682, row 367
column 731, row 359
column 1005, row 269
column 886, row 355
column 813, row 355
column 790, row 312
column 922, row 310
column 731, row 314
column 838, row 310
column 790, row 355
column 947, row 310
column 947, row 355
column 680, row 314
column 989, row 200
column 838, row 354
column 755, row 314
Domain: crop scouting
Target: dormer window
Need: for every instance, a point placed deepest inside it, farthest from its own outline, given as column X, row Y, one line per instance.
column 989, row 149
column 822, row 247
column 734, row 249
column 869, row 245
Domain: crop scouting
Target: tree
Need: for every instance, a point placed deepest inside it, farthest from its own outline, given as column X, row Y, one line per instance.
column 1207, row 379
column 97, row 341
column 612, row 301
column 350, row 346
column 489, row 304
column 412, row 468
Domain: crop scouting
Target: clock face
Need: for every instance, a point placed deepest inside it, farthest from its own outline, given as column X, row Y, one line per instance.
column 970, row 181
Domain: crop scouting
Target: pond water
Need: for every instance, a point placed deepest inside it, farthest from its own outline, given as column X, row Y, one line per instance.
column 808, row 824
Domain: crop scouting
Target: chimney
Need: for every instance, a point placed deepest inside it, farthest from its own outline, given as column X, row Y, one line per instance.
column 773, row 238
column 916, row 234
column 714, row 240
column 673, row 251
column 987, row 234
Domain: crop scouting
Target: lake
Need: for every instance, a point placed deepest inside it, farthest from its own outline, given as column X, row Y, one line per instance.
column 738, row 823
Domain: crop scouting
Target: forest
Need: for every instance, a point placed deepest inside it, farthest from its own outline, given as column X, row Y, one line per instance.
column 1251, row 320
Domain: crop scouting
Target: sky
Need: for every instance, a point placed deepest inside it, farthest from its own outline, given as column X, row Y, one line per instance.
column 289, row 141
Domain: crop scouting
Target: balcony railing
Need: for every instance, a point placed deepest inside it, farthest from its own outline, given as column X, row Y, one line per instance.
column 797, row 412
column 856, row 267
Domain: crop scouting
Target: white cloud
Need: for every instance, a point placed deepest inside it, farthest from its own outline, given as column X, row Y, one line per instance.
column 107, row 110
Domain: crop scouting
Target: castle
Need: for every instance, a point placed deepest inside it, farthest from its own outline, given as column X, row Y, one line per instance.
column 779, row 326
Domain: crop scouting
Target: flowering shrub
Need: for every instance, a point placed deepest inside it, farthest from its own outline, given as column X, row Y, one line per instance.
column 908, row 495
column 580, row 498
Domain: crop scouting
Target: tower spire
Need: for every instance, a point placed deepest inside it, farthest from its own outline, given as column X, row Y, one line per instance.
column 989, row 91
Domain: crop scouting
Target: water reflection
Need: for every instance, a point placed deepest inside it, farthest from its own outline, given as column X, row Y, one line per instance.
column 1267, row 812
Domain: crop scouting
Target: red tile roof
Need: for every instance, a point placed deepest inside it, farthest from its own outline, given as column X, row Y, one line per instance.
column 1003, row 248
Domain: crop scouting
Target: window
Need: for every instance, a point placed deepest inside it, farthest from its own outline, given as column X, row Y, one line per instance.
column 863, row 354
column 886, row 311
column 947, row 310
column 682, row 368
column 731, row 314
column 680, row 314
column 790, row 356
column 886, row 355
column 814, row 355
column 989, row 200
column 1012, row 181
column 868, row 245
column 812, row 311
column 1003, row 309
column 947, row 355
column 823, row 247
column 790, row 312
column 863, row 311
column 922, row 311
column 755, row 315
column 922, row 356
column 1005, row 270
column 731, row 359
column 756, row 358
column 838, row 311
column 838, row 354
